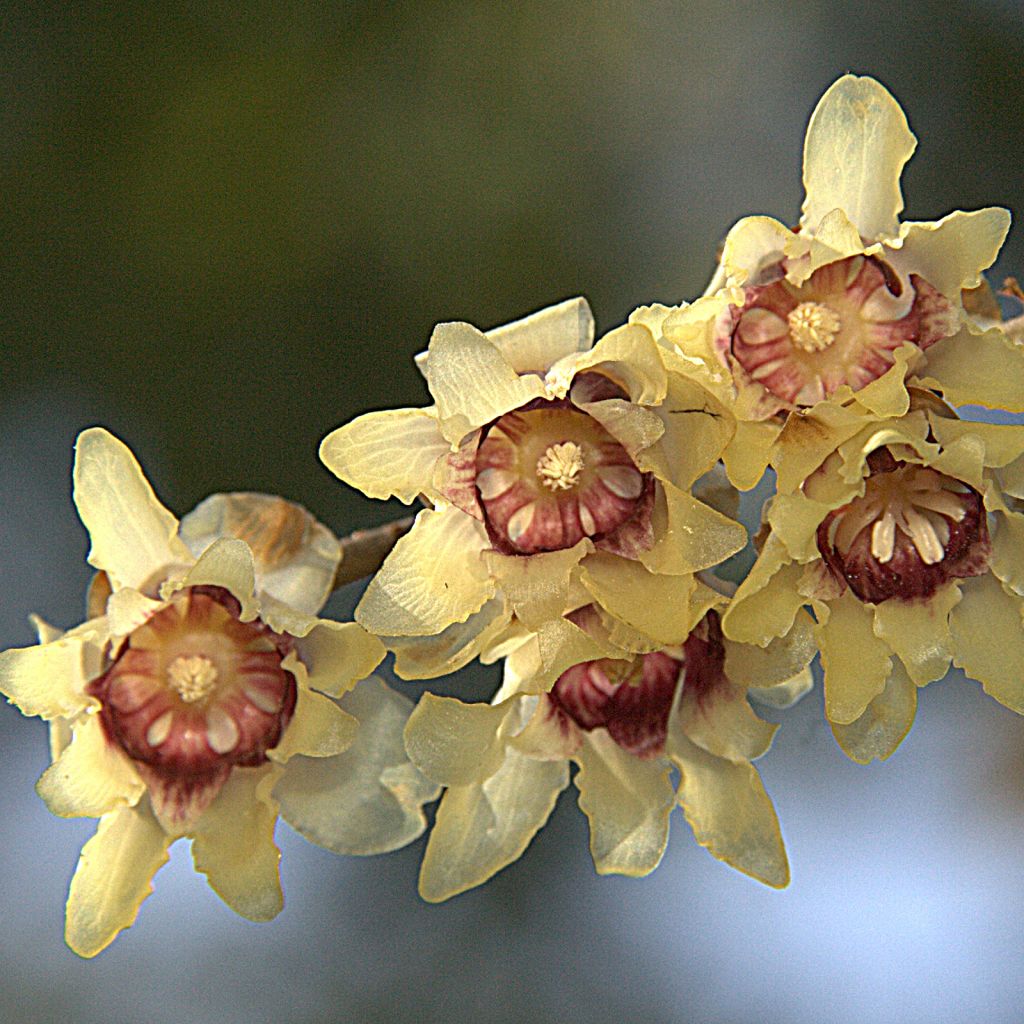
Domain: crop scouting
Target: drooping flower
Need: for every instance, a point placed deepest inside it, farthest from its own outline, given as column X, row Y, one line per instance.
column 852, row 306
column 554, row 468
column 904, row 535
column 181, row 707
column 626, row 721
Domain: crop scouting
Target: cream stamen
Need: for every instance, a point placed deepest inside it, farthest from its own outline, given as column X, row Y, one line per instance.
column 813, row 326
column 194, row 677
column 559, row 468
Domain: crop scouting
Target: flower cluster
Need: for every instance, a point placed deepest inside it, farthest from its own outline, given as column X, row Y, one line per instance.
column 578, row 502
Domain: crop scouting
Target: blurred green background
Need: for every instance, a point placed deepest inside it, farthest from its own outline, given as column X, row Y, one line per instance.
column 226, row 230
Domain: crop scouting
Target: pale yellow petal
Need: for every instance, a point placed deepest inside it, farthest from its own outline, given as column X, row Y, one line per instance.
column 977, row 369
column 454, row 743
column 857, row 143
column 387, row 454
column 319, row 728
column 49, row 680
column 768, row 600
column 226, row 563
column 369, row 799
column 627, row 801
column 730, row 812
column 1008, row 550
column 233, row 845
column 556, row 646
column 918, row 632
column 547, row 735
column 785, row 694
column 989, row 636
column 481, row 829
column 887, row 395
column 783, row 659
column 856, row 662
column 690, row 535
column 629, row 356
column 724, row 724
column 536, row 342
column 747, row 455
column 113, row 877
column 295, row 557
column 127, row 609
column 752, row 244
column 134, row 538
column 337, row 655
column 471, row 381
column 433, row 578
column 884, row 723
column 91, row 777
column 950, row 254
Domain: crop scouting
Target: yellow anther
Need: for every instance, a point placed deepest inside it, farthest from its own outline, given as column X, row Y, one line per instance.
column 813, row 326
column 194, row 677
column 559, row 468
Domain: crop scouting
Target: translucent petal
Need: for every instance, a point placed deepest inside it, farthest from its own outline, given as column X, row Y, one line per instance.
column 471, row 381
column 295, row 557
column 1008, row 551
column 234, row 846
column 535, row 343
column 729, row 811
column 918, row 632
column 987, row 611
column 783, row 659
column 752, row 244
column 748, row 453
column 886, row 720
column 369, row 799
column 785, row 694
column 134, row 538
column 856, row 662
column 627, row 801
column 91, row 777
column 556, row 646
column 49, row 680
column 768, row 600
column 337, row 655
column 977, row 369
column 388, row 454
column 691, row 535
column 226, row 563
column 724, row 724
column 433, row 578
column 857, row 143
column 887, row 395
column 127, row 609
column 630, row 357
column 481, row 829
column 319, row 728
column 456, row 744
column 113, row 877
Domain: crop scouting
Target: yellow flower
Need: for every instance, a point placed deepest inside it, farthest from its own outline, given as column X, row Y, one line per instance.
column 179, row 707
column 626, row 722
column 853, row 304
column 906, row 538
column 554, row 468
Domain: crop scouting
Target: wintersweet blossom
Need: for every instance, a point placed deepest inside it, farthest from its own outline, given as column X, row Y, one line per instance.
column 906, row 538
column 852, row 305
column 626, row 721
column 556, row 470
column 203, row 697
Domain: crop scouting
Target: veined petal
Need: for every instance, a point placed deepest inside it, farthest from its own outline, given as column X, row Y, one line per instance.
column 49, row 680
column 113, row 877
column 434, row 577
column 987, row 611
column 856, row 662
column 556, row 646
column 752, row 244
column 977, row 369
column 628, row 355
column 768, row 600
column 748, row 453
column 127, row 609
column 785, row 694
column 950, row 254
column 471, row 380
column 886, row 720
column 91, row 777
column 370, row 798
column 234, row 846
column 729, row 811
column 918, row 632
column 134, row 538
column 724, row 724
column 857, row 143
column 457, row 744
column 691, row 535
column 782, row 660
column 388, row 454
column 319, row 728
column 536, row 342
column 482, row 828
column 337, row 655
column 627, row 801
column 225, row 563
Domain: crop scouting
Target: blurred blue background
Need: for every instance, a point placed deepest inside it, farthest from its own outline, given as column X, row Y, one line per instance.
column 227, row 230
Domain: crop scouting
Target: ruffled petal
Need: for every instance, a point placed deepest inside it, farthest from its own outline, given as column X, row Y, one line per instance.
column 134, row 538
column 785, row 694
column 1008, row 550
column 783, row 659
column 987, row 612
column 558, row 645
column 113, row 877
column 627, row 801
column 483, row 828
column 49, row 680
column 730, row 812
column 886, row 720
column 319, row 728
column 388, row 454
column 918, row 632
column 434, row 577
column 337, row 655
column 977, row 369
column 369, row 799
column 456, row 744
column 748, row 453
column 856, row 662
column 233, row 845
column 628, row 355
column 724, row 724
column 768, row 600
column 471, row 381
column 91, row 777
column 225, row 563
column 857, row 143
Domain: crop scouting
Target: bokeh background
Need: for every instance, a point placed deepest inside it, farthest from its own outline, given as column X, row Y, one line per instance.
column 226, row 230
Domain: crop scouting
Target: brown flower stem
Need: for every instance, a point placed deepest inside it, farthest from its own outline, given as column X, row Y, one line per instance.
column 363, row 551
